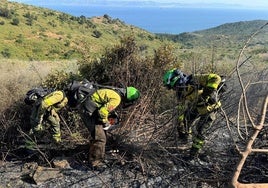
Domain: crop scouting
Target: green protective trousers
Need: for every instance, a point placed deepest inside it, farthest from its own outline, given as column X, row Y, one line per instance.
column 54, row 121
column 184, row 126
column 40, row 116
column 45, row 111
column 202, row 126
column 98, row 136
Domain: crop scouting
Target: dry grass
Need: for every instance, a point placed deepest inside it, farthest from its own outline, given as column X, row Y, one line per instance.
column 17, row 77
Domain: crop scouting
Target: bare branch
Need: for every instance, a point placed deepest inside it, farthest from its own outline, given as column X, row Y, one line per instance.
column 248, row 150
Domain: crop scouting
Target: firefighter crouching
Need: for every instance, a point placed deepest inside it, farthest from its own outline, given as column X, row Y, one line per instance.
column 197, row 98
column 95, row 108
column 45, row 110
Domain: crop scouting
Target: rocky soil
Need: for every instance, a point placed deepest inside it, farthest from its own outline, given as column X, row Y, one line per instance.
column 154, row 168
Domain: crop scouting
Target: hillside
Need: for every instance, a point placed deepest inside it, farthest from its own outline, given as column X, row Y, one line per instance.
column 232, row 32
column 228, row 39
column 34, row 33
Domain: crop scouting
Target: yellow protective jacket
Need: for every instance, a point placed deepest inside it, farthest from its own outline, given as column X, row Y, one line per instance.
column 106, row 100
column 199, row 93
column 55, row 100
column 50, row 103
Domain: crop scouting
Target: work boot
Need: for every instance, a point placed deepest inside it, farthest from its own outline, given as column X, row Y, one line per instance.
column 204, row 157
column 194, row 152
column 37, row 131
column 57, row 139
column 56, row 142
column 184, row 138
column 197, row 162
column 195, row 158
column 98, row 165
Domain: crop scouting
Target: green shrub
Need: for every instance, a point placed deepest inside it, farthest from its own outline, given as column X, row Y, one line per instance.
column 82, row 19
column 96, row 34
column 5, row 12
column 19, row 39
column 6, row 53
column 15, row 21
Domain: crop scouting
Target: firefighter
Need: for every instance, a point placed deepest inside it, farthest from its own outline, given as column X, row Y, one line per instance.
column 197, row 99
column 45, row 109
column 95, row 109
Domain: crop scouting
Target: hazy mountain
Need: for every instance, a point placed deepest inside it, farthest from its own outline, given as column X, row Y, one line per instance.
column 133, row 3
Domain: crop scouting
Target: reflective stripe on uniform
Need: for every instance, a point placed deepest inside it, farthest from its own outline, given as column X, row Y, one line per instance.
column 103, row 112
column 197, row 143
column 107, row 100
column 181, row 118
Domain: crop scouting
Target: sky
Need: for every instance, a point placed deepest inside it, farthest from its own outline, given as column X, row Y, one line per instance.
column 263, row 4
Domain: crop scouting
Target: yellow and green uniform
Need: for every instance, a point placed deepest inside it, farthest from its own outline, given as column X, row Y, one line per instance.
column 105, row 101
column 197, row 99
column 46, row 110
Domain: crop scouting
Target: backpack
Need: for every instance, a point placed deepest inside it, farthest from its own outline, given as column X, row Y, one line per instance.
column 36, row 93
column 78, row 91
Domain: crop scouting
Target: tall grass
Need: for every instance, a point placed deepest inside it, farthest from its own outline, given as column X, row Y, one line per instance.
column 19, row 76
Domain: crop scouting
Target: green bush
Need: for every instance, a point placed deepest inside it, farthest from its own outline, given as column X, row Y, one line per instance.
column 96, row 34
column 5, row 12
column 15, row 21
column 19, row 39
column 6, row 53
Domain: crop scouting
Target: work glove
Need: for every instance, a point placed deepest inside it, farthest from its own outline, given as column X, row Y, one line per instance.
column 207, row 102
column 202, row 105
column 207, row 91
column 202, row 110
column 202, row 101
column 112, row 124
column 107, row 126
column 209, row 95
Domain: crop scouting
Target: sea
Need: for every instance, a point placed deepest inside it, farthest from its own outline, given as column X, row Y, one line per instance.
column 170, row 20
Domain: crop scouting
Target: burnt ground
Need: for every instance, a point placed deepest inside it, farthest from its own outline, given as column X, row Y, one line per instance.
column 152, row 160
column 127, row 166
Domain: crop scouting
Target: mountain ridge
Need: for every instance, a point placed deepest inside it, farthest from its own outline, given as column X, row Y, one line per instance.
column 147, row 3
column 35, row 33
column 230, row 35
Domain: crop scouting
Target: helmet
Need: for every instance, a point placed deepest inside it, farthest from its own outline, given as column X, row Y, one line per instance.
column 174, row 76
column 170, row 78
column 30, row 98
column 132, row 94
